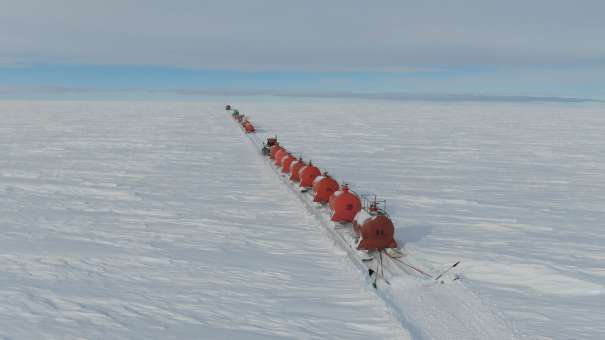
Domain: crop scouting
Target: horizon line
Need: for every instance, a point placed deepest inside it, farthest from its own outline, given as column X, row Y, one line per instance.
column 394, row 96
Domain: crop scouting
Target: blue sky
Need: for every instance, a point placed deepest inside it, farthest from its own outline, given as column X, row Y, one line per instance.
column 516, row 48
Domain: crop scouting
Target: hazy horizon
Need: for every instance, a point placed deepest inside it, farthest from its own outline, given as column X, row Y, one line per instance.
column 545, row 49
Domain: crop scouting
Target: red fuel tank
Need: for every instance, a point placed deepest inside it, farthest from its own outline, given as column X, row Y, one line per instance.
column 274, row 149
column 295, row 169
column 323, row 187
column 248, row 127
column 279, row 155
column 307, row 174
column 344, row 204
column 286, row 163
column 375, row 228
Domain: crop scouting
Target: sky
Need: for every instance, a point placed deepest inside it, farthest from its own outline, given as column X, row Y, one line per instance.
column 186, row 47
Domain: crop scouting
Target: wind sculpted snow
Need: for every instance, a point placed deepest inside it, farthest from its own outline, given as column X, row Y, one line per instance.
column 139, row 220
column 150, row 220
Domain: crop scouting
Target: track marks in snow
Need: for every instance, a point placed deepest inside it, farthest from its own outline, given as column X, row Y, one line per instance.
column 512, row 188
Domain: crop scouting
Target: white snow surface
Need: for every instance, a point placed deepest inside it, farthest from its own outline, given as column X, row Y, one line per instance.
column 159, row 220
column 134, row 220
column 515, row 191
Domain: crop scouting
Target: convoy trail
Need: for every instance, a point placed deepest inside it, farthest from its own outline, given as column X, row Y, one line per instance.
column 425, row 307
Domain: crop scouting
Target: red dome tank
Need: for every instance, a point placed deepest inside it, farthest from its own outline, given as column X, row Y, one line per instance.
column 344, row 204
column 375, row 228
column 279, row 155
column 295, row 169
column 377, row 233
column 248, row 127
column 323, row 187
column 307, row 174
column 274, row 149
column 286, row 163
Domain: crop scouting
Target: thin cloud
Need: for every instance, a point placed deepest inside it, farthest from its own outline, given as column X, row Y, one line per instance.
column 310, row 35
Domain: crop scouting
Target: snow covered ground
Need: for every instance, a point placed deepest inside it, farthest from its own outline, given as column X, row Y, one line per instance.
column 157, row 221
column 138, row 220
column 515, row 191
